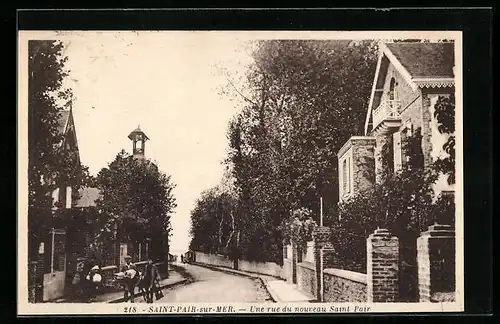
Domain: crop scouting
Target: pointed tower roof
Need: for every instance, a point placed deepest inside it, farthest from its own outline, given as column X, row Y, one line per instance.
column 137, row 131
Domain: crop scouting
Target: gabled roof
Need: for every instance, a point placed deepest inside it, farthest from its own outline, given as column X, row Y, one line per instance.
column 63, row 121
column 88, row 197
column 420, row 64
column 425, row 60
column 66, row 127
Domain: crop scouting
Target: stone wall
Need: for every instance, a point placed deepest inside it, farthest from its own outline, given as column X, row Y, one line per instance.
column 306, row 278
column 363, row 164
column 344, row 286
column 212, row 259
column 266, row 268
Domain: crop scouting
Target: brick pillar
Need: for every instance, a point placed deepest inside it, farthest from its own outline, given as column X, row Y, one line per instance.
column 382, row 267
column 323, row 256
column 436, row 261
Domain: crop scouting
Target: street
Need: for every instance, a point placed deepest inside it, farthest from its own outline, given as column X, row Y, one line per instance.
column 215, row 286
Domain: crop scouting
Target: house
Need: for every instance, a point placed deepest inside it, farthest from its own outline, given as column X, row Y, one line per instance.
column 55, row 246
column 409, row 79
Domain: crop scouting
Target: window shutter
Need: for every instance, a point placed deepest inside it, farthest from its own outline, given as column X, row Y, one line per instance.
column 55, row 197
column 344, row 175
column 349, row 174
column 397, row 151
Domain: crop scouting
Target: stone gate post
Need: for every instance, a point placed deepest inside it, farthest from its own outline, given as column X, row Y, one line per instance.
column 382, row 267
column 323, row 256
column 436, row 264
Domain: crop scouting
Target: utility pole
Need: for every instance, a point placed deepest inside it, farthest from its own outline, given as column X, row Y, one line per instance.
column 321, row 211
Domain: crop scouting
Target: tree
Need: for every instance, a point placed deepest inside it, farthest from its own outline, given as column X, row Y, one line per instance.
column 213, row 223
column 137, row 201
column 444, row 111
column 302, row 101
column 49, row 165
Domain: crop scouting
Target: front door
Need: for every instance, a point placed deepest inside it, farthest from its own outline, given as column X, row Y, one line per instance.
column 55, row 277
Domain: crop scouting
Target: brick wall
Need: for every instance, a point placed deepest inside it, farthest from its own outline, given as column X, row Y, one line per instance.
column 344, row 286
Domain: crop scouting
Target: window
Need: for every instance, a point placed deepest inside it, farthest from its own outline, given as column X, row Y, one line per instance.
column 344, row 176
column 392, row 92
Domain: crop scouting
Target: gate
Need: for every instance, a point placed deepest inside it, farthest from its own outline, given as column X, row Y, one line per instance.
column 408, row 273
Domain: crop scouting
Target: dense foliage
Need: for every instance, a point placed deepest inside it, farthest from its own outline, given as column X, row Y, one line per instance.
column 213, row 222
column 136, row 202
column 298, row 228
column 404, row 202
column 444, row 111
column 49, row 165
column 303, row 100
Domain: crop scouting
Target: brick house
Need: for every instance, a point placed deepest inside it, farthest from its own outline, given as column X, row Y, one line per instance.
column 409, row 79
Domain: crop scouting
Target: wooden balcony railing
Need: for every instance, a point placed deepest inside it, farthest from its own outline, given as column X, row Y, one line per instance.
column 388, row 110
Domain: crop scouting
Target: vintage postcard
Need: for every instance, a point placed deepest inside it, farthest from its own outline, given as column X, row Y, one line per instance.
column 240, row 172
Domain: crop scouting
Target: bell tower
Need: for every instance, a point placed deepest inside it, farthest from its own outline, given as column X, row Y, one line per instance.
column 138, row 139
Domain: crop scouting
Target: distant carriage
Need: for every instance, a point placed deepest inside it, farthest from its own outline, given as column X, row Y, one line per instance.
column 189, row 257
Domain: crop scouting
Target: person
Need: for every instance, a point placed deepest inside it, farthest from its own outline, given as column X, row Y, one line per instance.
column 93, row 279
column 182, row 258
column 150, row 279
column 130, row 279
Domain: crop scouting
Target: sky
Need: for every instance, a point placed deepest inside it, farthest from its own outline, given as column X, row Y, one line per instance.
column 167, row 84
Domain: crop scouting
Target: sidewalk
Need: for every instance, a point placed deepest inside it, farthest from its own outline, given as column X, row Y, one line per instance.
column 280, row 290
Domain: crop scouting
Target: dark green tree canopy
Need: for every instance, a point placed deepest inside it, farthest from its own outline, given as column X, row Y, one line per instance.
column 137, row 200
column 302, row 101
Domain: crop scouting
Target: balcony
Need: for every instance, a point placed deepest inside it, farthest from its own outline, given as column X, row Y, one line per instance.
column 386, row 117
